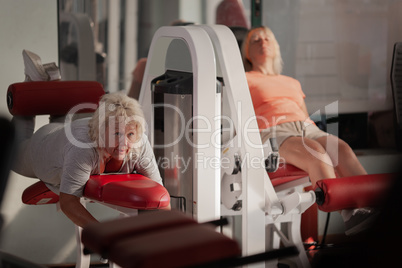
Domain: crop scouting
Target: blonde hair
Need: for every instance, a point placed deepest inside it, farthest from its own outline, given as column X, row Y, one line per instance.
column 113, row 106
column 277, row 63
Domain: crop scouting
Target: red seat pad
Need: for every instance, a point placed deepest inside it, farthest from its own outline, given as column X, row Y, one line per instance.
column 39, row 194
column 53, row 97
column 286, row 173
column 127, row 190
column 354, row 192
column 100, row 237
column 187, row 246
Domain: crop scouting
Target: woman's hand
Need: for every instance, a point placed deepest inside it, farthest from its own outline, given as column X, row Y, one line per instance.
column 74, row 210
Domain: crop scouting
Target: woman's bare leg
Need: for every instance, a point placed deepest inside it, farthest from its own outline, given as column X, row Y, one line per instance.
column 308, row 155
column 344, row 159
column 347, row 164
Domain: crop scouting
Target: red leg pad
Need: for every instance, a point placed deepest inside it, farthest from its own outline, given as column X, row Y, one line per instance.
column 127, row 190
column 100, row 237
column 187, row 246
column 39, row 194
column 52, row 97
column 353, row 192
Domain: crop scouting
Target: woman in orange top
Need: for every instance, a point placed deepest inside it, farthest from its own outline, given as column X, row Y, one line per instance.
column 281, row 112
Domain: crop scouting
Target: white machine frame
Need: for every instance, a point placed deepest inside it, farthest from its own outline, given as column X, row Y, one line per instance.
column 206, row 187
column 214, row 53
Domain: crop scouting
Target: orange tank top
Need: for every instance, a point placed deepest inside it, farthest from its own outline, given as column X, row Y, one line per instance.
column 276, row 99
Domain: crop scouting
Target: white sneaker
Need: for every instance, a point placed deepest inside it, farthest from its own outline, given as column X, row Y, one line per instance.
column 358, row 220
column 35, row 71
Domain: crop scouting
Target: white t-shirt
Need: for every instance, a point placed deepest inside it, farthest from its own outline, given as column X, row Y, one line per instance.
column 63, row 157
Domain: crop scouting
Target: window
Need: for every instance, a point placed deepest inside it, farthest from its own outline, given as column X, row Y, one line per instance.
column 338, row 50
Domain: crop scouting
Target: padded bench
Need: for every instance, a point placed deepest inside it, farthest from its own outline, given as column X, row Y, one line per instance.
column 168, row 239
column 158, row 239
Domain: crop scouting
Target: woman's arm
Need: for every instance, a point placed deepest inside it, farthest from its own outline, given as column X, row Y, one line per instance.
column 74, row 210
column 146, row 164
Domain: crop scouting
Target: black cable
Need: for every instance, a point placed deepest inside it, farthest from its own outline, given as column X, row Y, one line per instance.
column 325, row 229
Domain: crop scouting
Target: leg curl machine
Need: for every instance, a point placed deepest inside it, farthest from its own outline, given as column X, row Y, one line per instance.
column 212, row 112
column 126, row 193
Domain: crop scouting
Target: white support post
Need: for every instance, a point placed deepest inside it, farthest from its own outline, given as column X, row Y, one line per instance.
column 206, row 174
column 253, row 178
column 130, row 44
column 113, row 50
column 83, row 261
column 85, row 47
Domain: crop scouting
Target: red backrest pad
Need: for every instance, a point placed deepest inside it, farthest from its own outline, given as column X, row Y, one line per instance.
column 127, row 190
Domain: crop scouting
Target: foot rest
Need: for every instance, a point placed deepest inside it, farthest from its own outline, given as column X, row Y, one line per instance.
column 190, row 244
column 126, row 190
column 99, row 237
column 52, row 97
column 353, row 192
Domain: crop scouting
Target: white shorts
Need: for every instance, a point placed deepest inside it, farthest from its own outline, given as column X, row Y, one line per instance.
column 292, row 129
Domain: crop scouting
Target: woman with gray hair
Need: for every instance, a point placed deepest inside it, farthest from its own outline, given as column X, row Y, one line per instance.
column 65, row 155
column 281, row 112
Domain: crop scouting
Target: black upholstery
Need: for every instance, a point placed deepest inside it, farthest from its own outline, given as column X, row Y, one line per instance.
column 7, row 135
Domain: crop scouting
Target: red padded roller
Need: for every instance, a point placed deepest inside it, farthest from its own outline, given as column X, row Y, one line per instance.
column 353, row 192
column 127, row 190
column 52, row 97
column 39, row 194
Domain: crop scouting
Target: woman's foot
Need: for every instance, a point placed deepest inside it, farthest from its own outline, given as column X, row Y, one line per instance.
column 358, row 220
column 36, row 71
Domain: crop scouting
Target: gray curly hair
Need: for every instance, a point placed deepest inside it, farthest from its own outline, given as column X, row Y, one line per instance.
column 112, row 106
